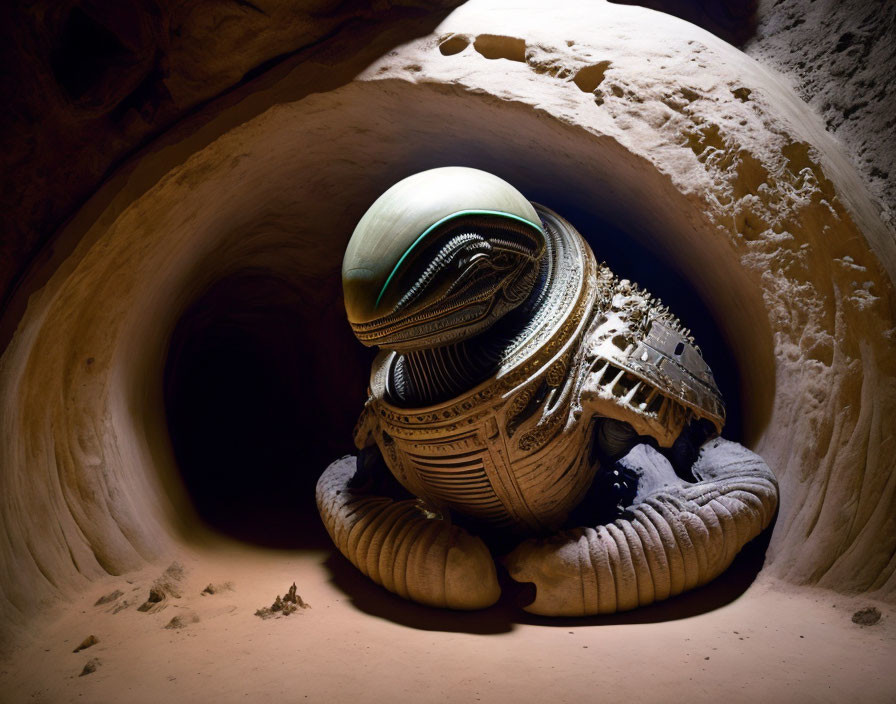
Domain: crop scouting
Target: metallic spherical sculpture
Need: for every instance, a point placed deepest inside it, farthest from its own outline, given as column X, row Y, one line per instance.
column 522, row 390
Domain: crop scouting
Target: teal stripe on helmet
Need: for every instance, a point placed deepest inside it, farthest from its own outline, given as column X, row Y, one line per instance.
column 441, row 222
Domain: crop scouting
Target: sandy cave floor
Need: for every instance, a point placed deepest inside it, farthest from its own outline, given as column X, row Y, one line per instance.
column 739, row 639
column 359, row 643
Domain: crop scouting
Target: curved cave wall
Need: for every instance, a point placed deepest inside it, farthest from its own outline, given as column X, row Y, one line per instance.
column 195, row 288
column 87, row 82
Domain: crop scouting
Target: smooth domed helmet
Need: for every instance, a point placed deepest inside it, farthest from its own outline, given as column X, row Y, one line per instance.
column 440, row 257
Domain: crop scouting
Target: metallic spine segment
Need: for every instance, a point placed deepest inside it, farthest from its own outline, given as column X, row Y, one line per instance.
column 644, row 367
column 423, row 377
column 435, row 226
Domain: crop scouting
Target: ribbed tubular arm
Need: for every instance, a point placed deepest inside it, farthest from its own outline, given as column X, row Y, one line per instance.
column 427, row 560
column 678, row 538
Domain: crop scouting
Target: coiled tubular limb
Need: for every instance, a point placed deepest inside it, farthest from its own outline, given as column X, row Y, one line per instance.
column 398, row 546
column 674, row 540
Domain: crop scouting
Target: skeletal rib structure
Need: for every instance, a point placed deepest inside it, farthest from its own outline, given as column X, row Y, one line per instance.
column 511, row 363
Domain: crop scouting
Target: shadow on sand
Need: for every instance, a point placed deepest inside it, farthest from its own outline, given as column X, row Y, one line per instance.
column 504, row 616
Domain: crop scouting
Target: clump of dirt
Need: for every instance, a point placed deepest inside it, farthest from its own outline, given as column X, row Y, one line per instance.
column 86, row 643
column 109, row 598
column 166, row 586
column 289, row 604
column 182, row 621
column 121, row 605
column 91, row 666
column 216, row 588
column 866, row 617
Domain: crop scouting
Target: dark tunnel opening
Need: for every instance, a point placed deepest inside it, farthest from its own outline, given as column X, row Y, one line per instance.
column 261, row 393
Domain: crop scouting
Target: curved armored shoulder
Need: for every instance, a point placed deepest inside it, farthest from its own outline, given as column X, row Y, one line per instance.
column 645, row 368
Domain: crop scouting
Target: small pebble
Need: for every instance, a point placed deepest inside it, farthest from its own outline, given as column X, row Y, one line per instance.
column 866, row 617
column 91, row 666
column 86, row 643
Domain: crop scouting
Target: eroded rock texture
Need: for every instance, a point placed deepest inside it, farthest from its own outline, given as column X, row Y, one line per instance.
column 841, row 59
column 85, row 82
column 695, row 150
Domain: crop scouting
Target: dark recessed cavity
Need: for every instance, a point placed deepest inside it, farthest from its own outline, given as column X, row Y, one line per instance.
column 86, row 51
column 262, row 389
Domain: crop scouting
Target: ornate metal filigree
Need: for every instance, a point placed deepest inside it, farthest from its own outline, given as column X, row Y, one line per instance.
column 504, row 344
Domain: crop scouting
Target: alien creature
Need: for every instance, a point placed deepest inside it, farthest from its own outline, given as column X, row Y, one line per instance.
column 527, row 406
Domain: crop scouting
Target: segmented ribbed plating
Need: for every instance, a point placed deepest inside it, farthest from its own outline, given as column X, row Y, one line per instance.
column 503, row 235
column 464, row 243
column 394, row 543
column 675, row 540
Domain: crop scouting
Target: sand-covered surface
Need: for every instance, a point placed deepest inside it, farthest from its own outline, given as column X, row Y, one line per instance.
column 359, row 643
column 636, row 126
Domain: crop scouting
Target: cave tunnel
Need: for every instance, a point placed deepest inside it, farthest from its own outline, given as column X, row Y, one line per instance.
column 179, row 368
